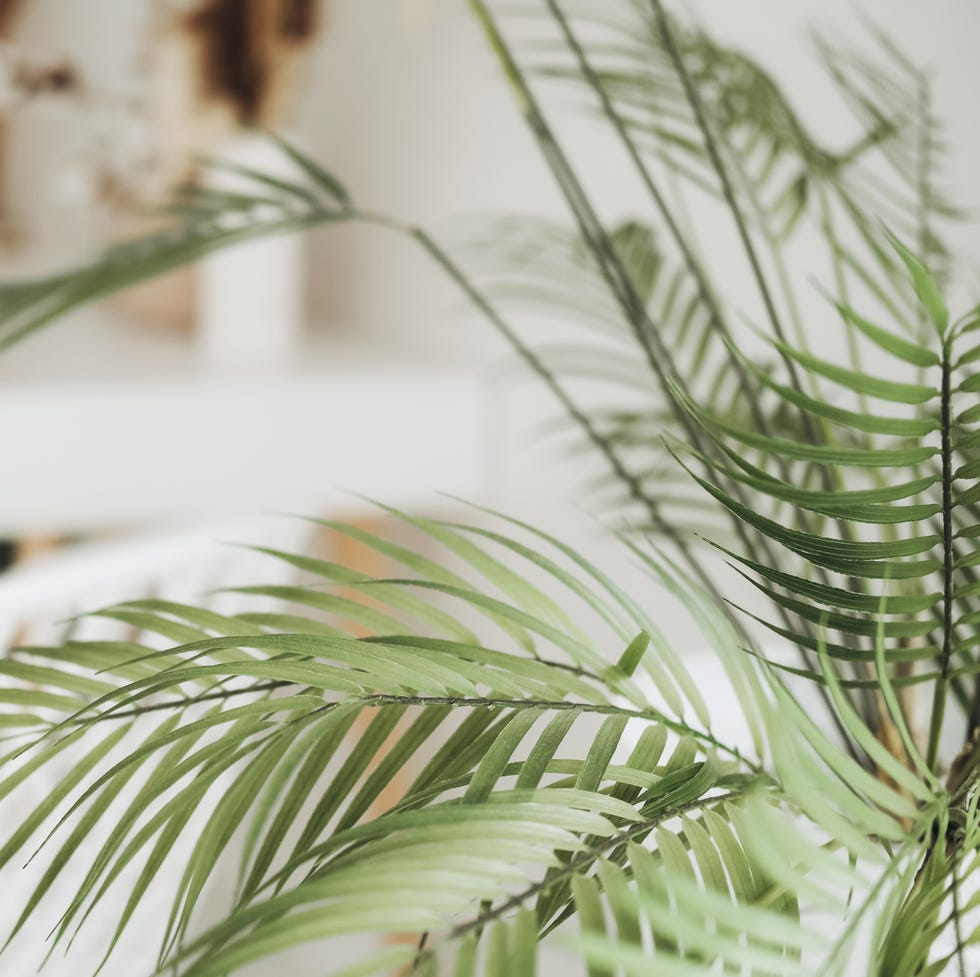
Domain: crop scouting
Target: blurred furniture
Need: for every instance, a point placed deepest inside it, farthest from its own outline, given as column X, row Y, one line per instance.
column 39, row 597
column 107, row 427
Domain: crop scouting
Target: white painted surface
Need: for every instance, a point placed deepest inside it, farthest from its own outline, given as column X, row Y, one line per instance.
column 417, row 121
column 145, row 435
column 251, row 298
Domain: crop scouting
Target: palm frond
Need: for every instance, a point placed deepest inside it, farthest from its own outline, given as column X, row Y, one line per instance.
column 204, row 220
column 259, row 724
column 494, row 745
column 900, row 543
column 494, row 839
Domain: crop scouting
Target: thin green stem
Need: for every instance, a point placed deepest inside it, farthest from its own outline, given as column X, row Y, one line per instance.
column 563, row 705
column 923, row 183
column 714, row 155
column 957, row 923
column 728, row 192
column 584, row 860
column 605, row 447
column 942, row 683
column 644, row 330
column 817, row 430
column 705, row 293
column 180, row 703
column 611, row 267
column 829, row 230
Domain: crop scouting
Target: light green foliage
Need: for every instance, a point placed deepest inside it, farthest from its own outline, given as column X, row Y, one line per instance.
column 496, row 746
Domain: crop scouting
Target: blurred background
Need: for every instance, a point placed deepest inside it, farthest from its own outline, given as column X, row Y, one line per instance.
column 285, row 376
column 290, row 373
column 297, row 374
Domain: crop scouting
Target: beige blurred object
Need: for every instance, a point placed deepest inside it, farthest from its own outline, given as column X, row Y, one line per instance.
column 28, row 549
column 414, row 13
column 216, row 66
column 164, row 303
column 219, row 65
column 8, row 14
column 34, row 546
column 8, row 10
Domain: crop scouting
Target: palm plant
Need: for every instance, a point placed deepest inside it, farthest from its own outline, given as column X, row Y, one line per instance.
column 844, row 492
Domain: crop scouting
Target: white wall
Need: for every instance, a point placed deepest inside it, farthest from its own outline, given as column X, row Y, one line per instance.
column 406, row 104
column 418, row 121
column 411, row 112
